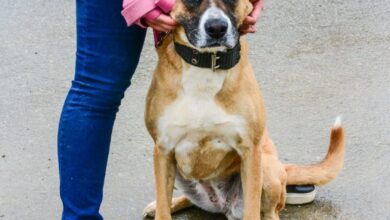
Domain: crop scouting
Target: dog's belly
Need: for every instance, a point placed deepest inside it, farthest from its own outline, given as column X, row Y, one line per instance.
column 218, row 196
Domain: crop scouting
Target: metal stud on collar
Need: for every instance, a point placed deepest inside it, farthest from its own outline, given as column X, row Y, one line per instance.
column 214, row 59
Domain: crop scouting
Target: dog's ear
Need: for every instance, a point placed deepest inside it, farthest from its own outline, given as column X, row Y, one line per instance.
column 243, row 9
column 250, row 7
column 177, row 10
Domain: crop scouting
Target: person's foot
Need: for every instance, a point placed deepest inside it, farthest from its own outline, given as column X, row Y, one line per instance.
column 299, row 195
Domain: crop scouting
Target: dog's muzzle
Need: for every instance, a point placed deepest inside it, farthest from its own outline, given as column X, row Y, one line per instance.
column 215, row 30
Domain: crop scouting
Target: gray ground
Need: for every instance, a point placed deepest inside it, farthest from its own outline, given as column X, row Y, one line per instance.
column 314, row 61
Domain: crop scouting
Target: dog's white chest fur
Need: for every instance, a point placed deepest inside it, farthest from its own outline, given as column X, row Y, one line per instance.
column 195, row 115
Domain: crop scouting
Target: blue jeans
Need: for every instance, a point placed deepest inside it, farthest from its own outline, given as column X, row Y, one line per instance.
column 107, row 55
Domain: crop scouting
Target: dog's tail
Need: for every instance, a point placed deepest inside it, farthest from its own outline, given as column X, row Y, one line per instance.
column 325, row 171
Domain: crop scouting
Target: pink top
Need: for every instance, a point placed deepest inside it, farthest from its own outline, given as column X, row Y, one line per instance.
column 134, row 10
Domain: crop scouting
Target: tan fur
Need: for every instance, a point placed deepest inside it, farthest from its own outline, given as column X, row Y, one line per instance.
column 239, row 96
column 243, row 9
column 276, row 175
column 164, row 168
column 254, row 156
column 327, row 170
column 206, row 160
column 177, row 204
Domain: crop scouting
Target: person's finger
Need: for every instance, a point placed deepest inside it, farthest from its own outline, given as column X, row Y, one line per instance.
column 156, row 25
column 247, row 29
column 160, row 28
column 165, row 26
column 257, row 7
column 170, row 27
column 243, row 27
column 149, row 22
column 249, row 20
column 252, row 29
column 162, row 23
column 166, row 19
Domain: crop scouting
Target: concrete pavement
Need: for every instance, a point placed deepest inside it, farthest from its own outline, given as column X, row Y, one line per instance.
column 314, row 60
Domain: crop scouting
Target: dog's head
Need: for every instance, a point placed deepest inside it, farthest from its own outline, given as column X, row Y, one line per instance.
column 210, row 23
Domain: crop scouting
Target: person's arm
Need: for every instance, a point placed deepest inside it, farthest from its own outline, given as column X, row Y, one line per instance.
column 134, row 10
column 155, row 14
column 149, row 13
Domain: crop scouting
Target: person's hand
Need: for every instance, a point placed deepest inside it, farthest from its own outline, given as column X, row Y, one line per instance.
column 162, row 23
column 248, row 26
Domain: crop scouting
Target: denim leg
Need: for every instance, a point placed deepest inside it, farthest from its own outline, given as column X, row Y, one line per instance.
column 107, row 55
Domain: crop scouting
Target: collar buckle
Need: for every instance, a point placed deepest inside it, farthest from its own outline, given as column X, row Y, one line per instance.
column 214, row 59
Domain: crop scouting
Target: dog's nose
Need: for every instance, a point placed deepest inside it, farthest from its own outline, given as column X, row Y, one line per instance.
column 216, row 28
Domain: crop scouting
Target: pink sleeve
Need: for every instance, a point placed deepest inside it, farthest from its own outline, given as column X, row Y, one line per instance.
column 165, row 5
column 134, row 10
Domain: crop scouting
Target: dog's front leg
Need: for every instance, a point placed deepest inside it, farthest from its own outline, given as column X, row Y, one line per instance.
column 164, row 173
column 251, row 176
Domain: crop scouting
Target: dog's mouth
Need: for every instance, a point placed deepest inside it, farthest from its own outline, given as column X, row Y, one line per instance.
column 224, row 43
column 219, row 44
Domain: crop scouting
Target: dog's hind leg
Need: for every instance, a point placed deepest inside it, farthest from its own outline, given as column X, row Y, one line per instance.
column 177, row 204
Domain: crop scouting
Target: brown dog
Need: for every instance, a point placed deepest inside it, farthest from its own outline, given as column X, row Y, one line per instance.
column 206, row 116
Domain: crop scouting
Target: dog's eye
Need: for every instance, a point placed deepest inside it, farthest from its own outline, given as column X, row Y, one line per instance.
column 192, row 3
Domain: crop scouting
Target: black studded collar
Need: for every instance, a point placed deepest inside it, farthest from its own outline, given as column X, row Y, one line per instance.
column 215, row 61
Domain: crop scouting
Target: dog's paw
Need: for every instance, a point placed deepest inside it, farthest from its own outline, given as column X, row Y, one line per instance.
column 150, row 210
